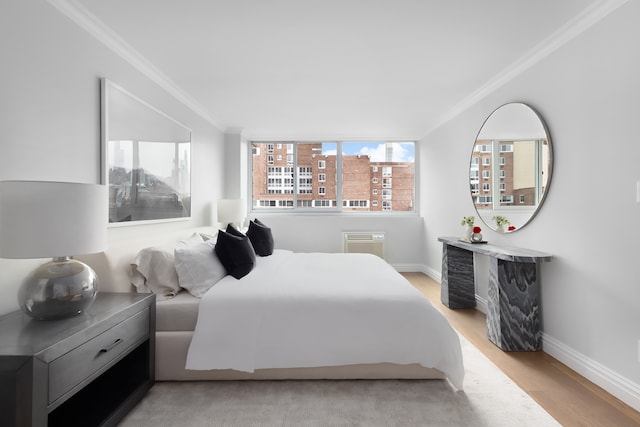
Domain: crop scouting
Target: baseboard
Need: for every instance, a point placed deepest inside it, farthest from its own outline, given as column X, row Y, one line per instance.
column 434, row 274
column 481, row 304
column 612, row 382
column 408, row 268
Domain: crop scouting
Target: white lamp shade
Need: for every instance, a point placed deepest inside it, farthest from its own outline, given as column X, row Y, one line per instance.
column 231, row 210
column 40, row 219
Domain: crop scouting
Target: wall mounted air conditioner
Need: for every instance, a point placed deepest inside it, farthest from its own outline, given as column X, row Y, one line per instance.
column 369, row 242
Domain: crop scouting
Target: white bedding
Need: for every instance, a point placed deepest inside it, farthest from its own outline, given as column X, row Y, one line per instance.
column 318, row 309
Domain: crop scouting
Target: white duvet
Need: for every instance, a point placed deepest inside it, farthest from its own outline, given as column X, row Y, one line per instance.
column 319, row 309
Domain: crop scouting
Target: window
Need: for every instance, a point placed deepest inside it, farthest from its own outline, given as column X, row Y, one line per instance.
column 486, row 187
column 486, row 174
column 506, row 148
column 474, row 188
column 336, row 176
column 486, row 161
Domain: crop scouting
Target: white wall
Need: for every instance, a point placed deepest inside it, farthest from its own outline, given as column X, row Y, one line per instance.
column 50, row 116
column 589, row 94
column 323, row 233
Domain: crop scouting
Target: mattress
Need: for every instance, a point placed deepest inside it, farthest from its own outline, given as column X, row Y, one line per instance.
column 178, row 313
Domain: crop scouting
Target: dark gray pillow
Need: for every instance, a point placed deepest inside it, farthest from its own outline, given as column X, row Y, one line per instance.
column 235, row 252
column 261, row 238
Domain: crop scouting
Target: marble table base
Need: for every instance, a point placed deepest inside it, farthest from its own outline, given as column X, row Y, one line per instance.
column 513, row 318
column 457, row 287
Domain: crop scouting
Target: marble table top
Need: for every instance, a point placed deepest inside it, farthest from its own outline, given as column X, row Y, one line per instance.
column 506, row 253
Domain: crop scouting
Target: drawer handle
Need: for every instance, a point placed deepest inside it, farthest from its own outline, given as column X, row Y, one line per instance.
column 110, row 346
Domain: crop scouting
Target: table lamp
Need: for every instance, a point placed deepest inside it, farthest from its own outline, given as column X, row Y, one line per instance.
column 231, row 211
column 40, row 219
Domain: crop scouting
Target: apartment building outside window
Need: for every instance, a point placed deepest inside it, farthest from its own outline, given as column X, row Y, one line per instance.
column 334, row 176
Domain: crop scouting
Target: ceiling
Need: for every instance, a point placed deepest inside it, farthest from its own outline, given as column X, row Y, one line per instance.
column 333, row 69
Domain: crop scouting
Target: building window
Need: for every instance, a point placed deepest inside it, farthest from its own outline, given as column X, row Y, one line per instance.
column 506, row 148
column 486, row 187
column 486, row 161
column 345, row 171
column 522, row 198
column 486, row 174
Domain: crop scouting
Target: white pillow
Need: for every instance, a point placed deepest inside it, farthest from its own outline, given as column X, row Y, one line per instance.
column 153, row 269
column 198, row 267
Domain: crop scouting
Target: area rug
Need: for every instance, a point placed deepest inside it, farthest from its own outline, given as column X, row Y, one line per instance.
column 489, row 398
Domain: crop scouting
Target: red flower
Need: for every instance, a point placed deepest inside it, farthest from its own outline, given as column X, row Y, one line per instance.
column 511, row 227
column 477, row 229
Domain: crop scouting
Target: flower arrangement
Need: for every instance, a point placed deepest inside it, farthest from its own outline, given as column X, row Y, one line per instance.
column 477, row 230
column 468, row 221
column 501, row 221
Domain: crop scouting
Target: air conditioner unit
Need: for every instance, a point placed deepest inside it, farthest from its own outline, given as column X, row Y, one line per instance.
column 369, row 242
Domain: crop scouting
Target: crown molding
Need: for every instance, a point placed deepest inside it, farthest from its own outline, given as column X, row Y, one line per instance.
column 94, row 26
column 573, row 28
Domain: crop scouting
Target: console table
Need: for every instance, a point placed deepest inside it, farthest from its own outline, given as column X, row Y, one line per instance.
column 88, row 370
column 513, row 315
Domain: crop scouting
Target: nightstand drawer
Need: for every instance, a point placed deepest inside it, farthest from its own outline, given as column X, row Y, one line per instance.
column 70, row 369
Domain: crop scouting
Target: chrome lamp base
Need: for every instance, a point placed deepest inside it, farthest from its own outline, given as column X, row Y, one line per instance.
column 58, row 289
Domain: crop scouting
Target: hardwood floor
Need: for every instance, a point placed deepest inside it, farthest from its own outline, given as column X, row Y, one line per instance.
column 570, row 398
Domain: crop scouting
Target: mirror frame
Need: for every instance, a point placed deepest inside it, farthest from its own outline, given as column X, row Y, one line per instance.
column 165, row 199
column 488, row 221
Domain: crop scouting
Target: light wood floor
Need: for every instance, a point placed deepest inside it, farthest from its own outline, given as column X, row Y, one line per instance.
column 570, row 398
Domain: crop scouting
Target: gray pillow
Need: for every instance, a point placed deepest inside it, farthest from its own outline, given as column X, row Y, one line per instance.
column 198, row 267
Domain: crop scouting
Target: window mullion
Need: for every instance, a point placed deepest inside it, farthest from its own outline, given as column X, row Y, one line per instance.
column 339, row 176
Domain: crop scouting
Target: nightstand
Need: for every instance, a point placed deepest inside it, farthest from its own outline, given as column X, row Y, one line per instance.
column 87, row 370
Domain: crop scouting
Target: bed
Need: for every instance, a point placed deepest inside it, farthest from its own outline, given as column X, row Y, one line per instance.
column 293, row 316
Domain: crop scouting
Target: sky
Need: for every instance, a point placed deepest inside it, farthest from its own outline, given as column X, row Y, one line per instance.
column 402, row 151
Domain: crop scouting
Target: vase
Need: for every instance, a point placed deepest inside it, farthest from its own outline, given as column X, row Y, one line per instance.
column 476, row 237
column 500, row 228
column 468, row 231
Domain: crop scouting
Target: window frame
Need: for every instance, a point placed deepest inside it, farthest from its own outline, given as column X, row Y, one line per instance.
column 267, row 206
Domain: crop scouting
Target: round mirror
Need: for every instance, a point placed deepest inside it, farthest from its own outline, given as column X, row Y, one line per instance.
column 510, row 167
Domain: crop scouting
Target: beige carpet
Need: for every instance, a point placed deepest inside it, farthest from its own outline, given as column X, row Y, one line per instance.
column 489, row 398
